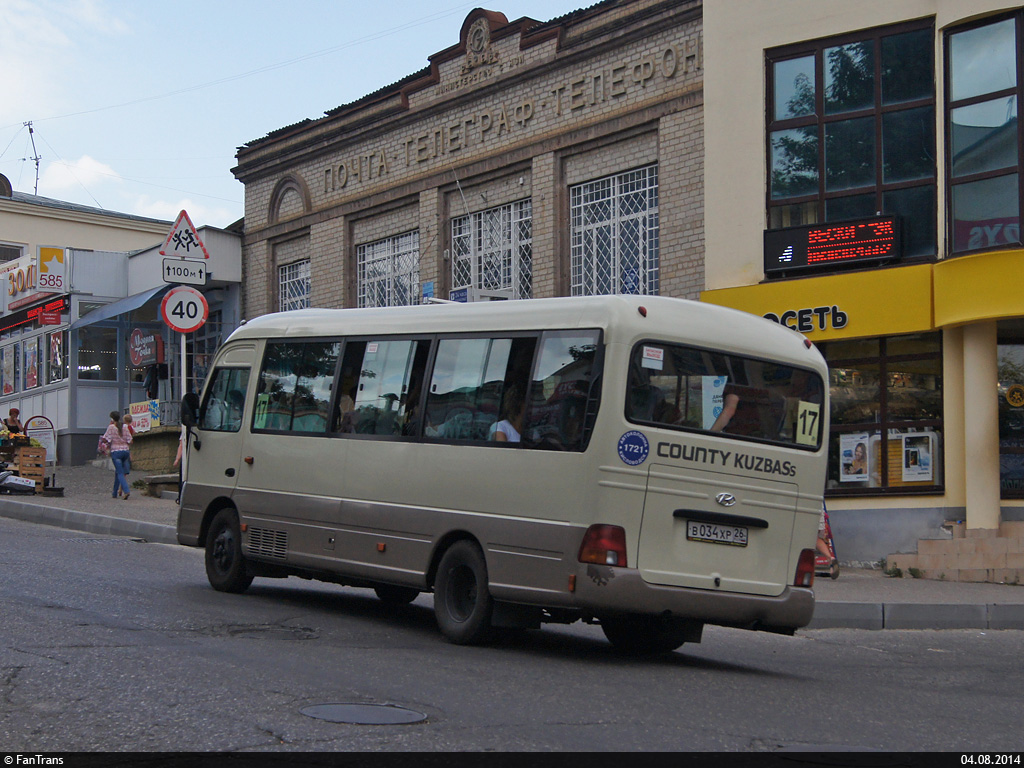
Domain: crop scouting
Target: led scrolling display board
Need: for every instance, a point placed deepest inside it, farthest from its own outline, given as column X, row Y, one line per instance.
column 828, row 245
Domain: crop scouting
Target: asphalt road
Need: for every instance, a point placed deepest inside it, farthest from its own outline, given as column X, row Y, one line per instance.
column 109, row 644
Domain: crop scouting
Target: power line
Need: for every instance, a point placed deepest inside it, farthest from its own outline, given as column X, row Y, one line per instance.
column 267, row 68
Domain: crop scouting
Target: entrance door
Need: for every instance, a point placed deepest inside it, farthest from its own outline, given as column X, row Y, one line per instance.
column 213, row 466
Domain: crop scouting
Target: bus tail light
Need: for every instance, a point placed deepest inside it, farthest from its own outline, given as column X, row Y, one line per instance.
column 606, row 545
column 805, row 569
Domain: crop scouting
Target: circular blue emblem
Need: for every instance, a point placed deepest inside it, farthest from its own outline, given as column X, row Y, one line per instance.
column 633, row 448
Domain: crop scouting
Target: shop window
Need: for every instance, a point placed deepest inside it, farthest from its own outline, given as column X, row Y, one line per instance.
column 293, row 286
column 294, row 391
column 205, row 343
column 984, row 136
column 97, row 353
column 1011, row 419
column 388, row 271
column 851, row 132
column 492, row 250
column 886, row 415
column 615, row 234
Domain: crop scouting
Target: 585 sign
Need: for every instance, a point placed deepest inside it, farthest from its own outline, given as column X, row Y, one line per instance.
column 184, row 309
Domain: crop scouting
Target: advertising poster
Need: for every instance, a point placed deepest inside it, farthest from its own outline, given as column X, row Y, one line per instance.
column 145, row 415
column 56, row 357
column 7, row 364
column 917, row 458
column 712, row 390
column 41, row 428
column 32, row 364
column 853, row 457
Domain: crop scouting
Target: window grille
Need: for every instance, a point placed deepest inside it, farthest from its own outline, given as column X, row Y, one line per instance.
column 615, row 234
column 293, row 286
column 389, row 271
column 493, row 250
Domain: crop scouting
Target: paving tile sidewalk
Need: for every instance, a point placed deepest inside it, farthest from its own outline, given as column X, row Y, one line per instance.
column 87, row 505
column 861, row 598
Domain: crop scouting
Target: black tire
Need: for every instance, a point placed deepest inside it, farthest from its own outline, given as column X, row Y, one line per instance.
column 395, row 596
column 644, row 635
column 225, row 566
column 462, row 601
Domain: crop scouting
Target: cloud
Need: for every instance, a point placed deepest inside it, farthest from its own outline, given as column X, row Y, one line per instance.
column 61, row 178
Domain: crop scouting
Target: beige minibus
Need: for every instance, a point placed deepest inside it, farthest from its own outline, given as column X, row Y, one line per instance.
column 647, row 464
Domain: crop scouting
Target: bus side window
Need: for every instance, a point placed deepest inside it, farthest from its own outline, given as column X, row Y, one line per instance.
column 295, row 386
column 379, row 392
column 472, row 385
column 225, row 400
column 563, row 391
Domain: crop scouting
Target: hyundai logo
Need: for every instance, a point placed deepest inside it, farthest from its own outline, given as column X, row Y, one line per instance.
column 726, row 499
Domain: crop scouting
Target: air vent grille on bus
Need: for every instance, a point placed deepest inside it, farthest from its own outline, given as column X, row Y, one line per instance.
column 268, row 543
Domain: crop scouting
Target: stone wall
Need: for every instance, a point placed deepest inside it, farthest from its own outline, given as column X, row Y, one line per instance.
column 153, row 452
column 526, row 116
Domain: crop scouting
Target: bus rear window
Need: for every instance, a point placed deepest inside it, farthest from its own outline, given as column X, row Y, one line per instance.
column 697, row 389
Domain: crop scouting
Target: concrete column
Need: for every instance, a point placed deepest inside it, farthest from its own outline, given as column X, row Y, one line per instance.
column 981, row 425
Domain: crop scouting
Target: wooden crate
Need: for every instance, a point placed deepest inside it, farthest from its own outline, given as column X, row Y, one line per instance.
column 32, row 465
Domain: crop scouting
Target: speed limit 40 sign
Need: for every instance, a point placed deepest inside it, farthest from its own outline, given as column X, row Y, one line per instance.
column 184, row 309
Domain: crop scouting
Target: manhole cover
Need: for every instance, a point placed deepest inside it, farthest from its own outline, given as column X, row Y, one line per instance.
column 364, row 714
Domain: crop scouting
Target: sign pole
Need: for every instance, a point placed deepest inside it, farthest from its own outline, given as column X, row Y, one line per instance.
column 184, row 372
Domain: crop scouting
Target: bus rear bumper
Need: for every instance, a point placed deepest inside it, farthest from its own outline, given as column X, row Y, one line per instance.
column 604, row 590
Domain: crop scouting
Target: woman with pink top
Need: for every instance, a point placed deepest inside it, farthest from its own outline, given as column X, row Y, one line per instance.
column 119, row 438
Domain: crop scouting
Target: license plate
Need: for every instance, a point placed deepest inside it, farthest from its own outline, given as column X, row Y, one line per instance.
column 733, row 535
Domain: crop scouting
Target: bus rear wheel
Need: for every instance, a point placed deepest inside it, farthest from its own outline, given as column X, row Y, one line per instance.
column 646, row 635
column 462, row 601
column 225, row 566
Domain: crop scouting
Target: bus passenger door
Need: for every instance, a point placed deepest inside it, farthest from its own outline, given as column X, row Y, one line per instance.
column 216, row 450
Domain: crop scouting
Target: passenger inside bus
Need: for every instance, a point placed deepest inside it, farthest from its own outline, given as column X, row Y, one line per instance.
column 513, row 406
column 346, row 414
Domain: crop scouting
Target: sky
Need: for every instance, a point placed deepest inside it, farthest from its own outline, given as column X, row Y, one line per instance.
column 139, row 106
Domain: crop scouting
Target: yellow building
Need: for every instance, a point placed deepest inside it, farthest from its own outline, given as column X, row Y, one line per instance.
column 863, row 174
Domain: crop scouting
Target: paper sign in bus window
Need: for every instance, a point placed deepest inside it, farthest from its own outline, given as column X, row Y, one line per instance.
column 712, row 394
column 654, row 358
column 807, row 423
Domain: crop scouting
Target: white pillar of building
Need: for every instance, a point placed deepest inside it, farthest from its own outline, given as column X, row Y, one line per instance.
column 981, row 425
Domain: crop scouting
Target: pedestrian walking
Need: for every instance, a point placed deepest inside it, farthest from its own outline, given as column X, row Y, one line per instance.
column 119, row 438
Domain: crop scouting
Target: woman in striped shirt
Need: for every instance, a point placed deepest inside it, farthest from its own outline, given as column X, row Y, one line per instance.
column 119, row 438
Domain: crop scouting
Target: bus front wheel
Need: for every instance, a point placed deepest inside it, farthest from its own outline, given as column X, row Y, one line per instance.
column 225, row 567
column 645, row 635
column 462, row 601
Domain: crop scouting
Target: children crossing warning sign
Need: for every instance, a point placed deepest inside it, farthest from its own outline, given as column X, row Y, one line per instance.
column 183, row 240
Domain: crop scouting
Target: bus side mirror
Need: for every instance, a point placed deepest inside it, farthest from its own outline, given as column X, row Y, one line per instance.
column 190, row 409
